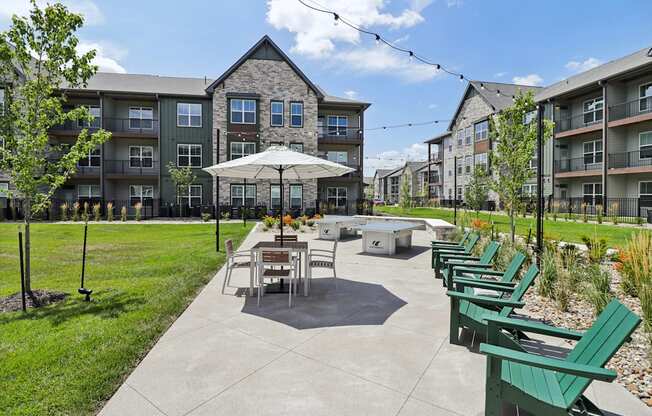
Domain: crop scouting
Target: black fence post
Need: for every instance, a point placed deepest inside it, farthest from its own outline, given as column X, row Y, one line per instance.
column 22, row 272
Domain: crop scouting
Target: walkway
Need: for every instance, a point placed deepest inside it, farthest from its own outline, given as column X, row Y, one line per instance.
column 375, row 346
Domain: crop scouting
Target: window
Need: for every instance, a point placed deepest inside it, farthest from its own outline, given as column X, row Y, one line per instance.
column 296, row 114
column 468, row 162
column 88, row 191
column 243, row 195
column 645, row 145
column 481, row 130
column 190, row 195
column 275, row 196
column 337, row 156
column 592, row 110
column 337, row 196
column 592, row 193
column 93, row 159
column 644, row 104
column 4, row 190
column 460, row 167
column 468, row 135
column 448, row 143
column 189, row 115
column 593, row 152
column 450, row 172
column 297, row 147
column 93, row 110
column 460, row 137
column 141, row 156
column 450, row 193
column 141, row 118
column 460, row 193
column 530, row 189
column 393, row 185
column 2, row 101
column 276, row 111
column 243, row 111
column 530, row 116
column 337, row 125
column 296, row 196
column 189, row 155
column 481, row 160
column 645, row 189
column 140, row 193
column 242, row 149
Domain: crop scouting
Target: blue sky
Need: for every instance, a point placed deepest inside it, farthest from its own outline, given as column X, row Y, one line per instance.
column 534, row 42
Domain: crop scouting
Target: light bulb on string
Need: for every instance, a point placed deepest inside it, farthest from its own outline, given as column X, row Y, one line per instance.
column 497, row 93
column 482, row 86
column 461, row 78
column 377, row 40
column 337, row 19
column 411, row 56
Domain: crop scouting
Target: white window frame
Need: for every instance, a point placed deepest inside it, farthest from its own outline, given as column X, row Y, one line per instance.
column 481, row 129
column 338, row 195
column 644, row 98
column 648, row 147
column 140, row 156
column 459, row 136
column 393, row 179
column 189, row 155
column 244, row 197
column 468, row 163
column 187, row 195
column 242, row 110
column 481, row 159
column 529, row 189
column 241, row 153
column 190, row 114
column 92, row 154
column 295, row 186
column 338, row 156
column 89, row 188
column 593, row 153
column 83, row 124
column 335, row 129
column 639, row 189
column 595, row 112
column 293, row 114
column 468, row 135
column 272, row 188
column 140, row 195
column 297, row 147
column 594, row 194
column 140, row 119
column 272, row 113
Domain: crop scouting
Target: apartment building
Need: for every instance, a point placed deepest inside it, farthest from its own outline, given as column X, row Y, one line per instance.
column 391, row 182
column 467, row 143
column 604, row 157
column 264, row 99
column 380, row 183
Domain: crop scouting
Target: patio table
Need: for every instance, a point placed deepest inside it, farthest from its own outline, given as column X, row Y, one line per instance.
column 384, row 237
column 333, row 227
column 298, row 246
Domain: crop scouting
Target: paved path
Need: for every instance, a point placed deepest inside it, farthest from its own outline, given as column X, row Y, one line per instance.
column 375, row 346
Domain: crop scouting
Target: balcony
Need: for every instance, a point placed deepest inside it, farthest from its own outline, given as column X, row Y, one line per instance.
column 570, row 125
column 340, row 135
column 436, row 157
column 127, row 168
column 356, row 174
column 630, row 112
column 577, row 167
column 121, row 127
column 630, row 162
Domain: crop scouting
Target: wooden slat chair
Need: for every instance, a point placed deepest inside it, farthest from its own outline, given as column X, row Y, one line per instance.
column 469, row 310
column 286, row 238
column 467, row 248
column 542, row 385
column 498, row 277
column 448, row 261
column 268, row 260
column 235, row 260
column 446, row 243
column 324, row 259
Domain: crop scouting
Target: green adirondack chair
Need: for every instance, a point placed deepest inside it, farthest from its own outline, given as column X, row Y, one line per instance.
column 550, row 386
column 448, row 261
column 470, row 311
column 460, row 243
column 473, row 272
column 467, row 248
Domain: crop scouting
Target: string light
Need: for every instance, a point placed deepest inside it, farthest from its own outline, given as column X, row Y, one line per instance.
column 411, row 56
column 337, row 18
column 377, row 39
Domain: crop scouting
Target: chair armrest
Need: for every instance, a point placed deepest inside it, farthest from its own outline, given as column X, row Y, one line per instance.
column 479, row 269
column 483, row 284
column 448, row 249
column 247, row 252
column 444, row 243
column 485, row 300
column 321, row 256
column 236, row 255
column 554, row 364
column 535, row 327
column 321, row 250
column 459, row 257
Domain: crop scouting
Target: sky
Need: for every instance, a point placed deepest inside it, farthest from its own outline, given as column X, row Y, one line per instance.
column 519, row 41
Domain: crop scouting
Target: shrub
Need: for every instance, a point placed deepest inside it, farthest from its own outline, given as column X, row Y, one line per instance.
column 226, row 215
column 303, row 219
column 310, row 223
column 205, row 216
column 123, row 214
column 507, row 251
column 287, row 219
column 75, row 211
column 563, row 289
column 138, row 215
column 639, row 220
column 316, row 217
column 635, row 262
column 585, row 215
column 614, row 212
column 548, row 279
column 85, row 212
column 598, row 289
column 597, row 248
column 646, row 305
column 269, row 221
column 598, row 213
column 296, row 224
column 97, row 212
column 64, row 211
column 109, row 211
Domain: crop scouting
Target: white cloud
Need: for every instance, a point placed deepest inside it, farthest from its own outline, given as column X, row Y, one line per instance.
column 500, row 74
column 531, row 79
column 581, row 66
column 395, row 158
column 454, row 3
column 351, row 94
column 316, row 33
column 90, row 10
column 433, row 106
column 106, row 55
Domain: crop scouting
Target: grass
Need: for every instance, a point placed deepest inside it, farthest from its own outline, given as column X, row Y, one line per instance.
column 70, row 357
column 563, row 230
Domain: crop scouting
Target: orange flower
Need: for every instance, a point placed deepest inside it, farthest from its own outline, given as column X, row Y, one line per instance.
column 478, row 224
column 287, row 220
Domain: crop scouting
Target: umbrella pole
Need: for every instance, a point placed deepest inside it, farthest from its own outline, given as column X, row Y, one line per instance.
column 280, row 176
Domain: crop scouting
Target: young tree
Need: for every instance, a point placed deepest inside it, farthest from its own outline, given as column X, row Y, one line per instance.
column 182, row 177
column 516, row 140
column 38, row 57
column 405, row 198
column 477, row 190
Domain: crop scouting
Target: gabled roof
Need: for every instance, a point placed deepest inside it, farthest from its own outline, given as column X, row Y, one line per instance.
column 439, row 138
column 262, row 45
column 381, row 173
column 331, row 99
column 146, row 84
column 488, row 94
column 632, row 62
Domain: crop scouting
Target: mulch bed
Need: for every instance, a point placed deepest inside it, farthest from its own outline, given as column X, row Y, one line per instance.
column 36, row 299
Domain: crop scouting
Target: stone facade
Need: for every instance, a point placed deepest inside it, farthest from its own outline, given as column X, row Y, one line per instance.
column 268, row 80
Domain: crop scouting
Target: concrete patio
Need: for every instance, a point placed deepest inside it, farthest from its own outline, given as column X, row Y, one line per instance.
column 375, row 346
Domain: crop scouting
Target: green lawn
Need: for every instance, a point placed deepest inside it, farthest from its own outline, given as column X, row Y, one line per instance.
column 70, row 357
column 558, row 230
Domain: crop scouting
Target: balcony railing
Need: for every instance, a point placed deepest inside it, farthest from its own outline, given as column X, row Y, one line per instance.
column 630, row 159
column 630, row 109
column 578, row 121
column 136, row 167
column 436, row 157
column 578, row 164
column 340, row 133
column 122, row 125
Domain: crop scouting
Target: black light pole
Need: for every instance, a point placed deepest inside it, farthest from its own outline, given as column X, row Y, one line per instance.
column 217, row 200
column 540, row 201
column 244, row 204
column 455, row 190
column 82, row 290
column 22, row 271
column 280, row 179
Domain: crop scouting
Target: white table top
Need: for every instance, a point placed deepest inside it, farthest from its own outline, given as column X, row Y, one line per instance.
column 389, row 226
column 340, row 219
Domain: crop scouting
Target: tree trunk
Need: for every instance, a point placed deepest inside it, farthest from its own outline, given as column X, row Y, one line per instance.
column 28, row 218
column 512, row 225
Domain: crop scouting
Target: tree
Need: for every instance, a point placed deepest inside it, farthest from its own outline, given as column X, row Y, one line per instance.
column 182, row 177
column 477, row 190
column 38, row 57
column 405, row 197
column 516, row 140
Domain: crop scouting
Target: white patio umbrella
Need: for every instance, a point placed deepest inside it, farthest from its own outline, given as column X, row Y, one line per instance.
column 279, row 162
